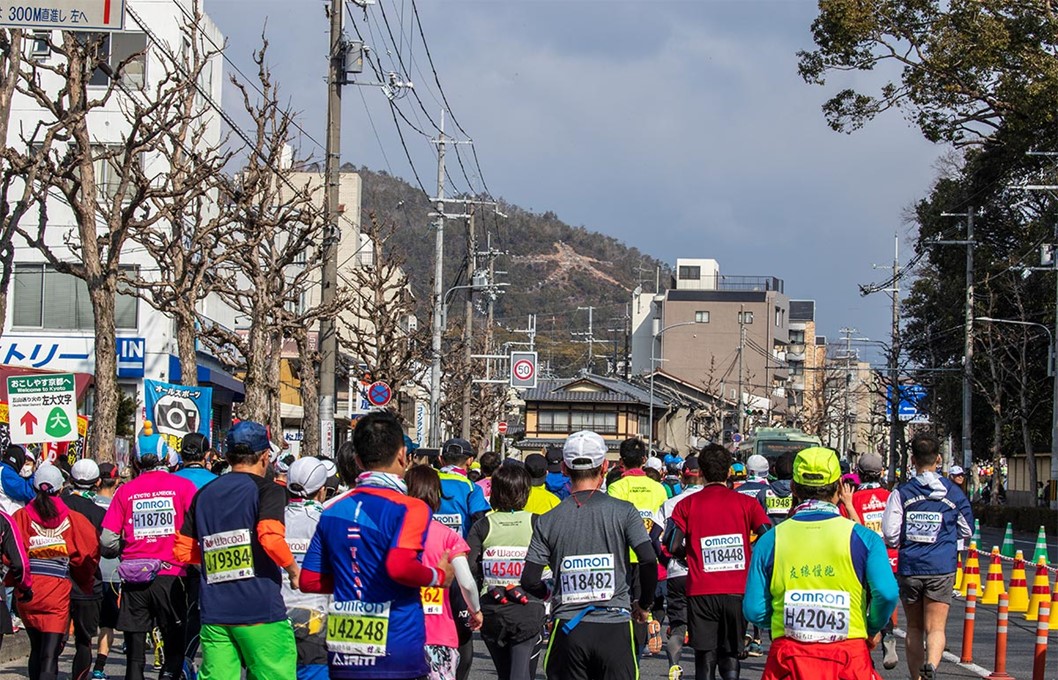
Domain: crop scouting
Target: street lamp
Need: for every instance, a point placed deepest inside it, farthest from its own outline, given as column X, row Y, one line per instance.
column 1050, row 338
column 653, row 370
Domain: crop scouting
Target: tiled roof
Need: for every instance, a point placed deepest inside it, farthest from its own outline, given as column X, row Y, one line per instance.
column 617, row 391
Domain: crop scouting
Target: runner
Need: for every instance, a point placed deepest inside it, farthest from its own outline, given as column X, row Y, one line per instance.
column 194, row 448
column 140, row 526
column 513, row 619
column 671, row 480
column 490, row 462
column 540, row 499
column 365, row 550
column 442, row 640
column 585, row 541
column 85, row 606
column 306, row 482
column 924, row 518
column 15, row 490
column 234, row 529
column 676, row 583
column 61, row 545
column 16, row 561
column 869, row 502
column 557, row 482
column 108, row 566
column 825, row 606
column 777, row 499
column 711, row 531
column 756, row 481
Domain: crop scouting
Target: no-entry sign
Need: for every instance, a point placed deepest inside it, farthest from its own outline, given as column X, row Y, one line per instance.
column 42, row 408
column 501, row 427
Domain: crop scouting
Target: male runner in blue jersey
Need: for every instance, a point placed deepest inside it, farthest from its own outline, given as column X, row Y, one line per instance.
column 366, row 551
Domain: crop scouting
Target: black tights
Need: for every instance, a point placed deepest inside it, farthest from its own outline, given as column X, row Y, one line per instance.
column 466, row 657
column 707, row 663
column 44, row 649
column 514, row 661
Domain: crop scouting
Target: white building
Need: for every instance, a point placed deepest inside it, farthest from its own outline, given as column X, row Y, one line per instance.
column 49, row 318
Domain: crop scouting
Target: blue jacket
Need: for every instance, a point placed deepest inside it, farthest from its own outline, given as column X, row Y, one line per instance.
column 558, row 484
column 924, row 518
column 16, row 487
column 869, row 559
column 461, row 501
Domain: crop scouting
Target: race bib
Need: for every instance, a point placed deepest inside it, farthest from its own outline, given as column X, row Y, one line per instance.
column 752, row 493
column 359, row 628
column 648, row 519
column 723, row 553
column 433, row 601
column 873, row 520
column 47, row 546
column 817, row 615
column 502, row 565
column 587, row 578
column 153, row 517
column 922, row 526
column 227, row 556
column 777, row 505
column 453, row 522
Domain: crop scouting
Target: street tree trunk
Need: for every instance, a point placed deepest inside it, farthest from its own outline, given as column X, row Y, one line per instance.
column 185, row 347
column 308, row 378
column 256, row 404
column 107, row 397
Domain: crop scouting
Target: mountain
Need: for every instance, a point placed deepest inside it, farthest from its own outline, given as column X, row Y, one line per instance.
column 552, row 268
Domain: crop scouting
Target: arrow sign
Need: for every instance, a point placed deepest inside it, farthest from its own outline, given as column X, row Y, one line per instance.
column 28, row 422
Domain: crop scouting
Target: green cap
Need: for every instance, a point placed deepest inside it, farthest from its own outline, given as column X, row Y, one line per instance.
column 816, row 466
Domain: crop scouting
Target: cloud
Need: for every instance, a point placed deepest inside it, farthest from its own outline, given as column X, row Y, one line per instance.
column 681, row 128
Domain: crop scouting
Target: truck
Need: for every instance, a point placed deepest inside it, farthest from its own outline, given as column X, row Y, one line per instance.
column 773, row 442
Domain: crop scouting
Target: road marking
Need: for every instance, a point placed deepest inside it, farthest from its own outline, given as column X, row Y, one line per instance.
column 951, row 658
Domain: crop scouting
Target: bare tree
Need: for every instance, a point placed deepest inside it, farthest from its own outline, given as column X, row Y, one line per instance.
column 104, row 212
column 380, row 330
column 822, row 411
column 11, row 168
column 186, row 244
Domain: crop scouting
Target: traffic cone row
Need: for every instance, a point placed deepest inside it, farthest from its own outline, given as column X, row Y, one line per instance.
column 1041, row 591
column 994, row 583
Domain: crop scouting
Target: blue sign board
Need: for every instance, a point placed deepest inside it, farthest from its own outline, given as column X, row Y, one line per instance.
column 912, row 404
column 131, row 353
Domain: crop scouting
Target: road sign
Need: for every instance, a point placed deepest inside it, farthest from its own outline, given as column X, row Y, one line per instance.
column 70, row 15
column 42, row 408
column 912, row 404
column 379, row 394
column 736, row 437
column 501, row 427
column 523, row 370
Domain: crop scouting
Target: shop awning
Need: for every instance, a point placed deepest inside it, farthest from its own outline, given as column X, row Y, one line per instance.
column 227, row 388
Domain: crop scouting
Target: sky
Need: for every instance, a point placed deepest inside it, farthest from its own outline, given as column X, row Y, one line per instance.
column 680, row 128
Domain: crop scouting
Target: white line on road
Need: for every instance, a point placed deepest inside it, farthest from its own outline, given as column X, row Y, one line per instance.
column 951, row 658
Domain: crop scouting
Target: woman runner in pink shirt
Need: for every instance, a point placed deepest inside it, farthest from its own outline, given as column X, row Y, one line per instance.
column 442, row 641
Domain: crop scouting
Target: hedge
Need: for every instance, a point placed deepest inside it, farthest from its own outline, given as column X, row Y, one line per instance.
column 1024, row 519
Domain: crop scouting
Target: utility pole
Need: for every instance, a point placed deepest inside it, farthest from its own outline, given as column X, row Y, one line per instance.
column 438, row 293
column 968, row 344
column 590, row 336
column 847, row 332
column 895, row 457
column 741, row 347
column 468, row 335
column 332, row 180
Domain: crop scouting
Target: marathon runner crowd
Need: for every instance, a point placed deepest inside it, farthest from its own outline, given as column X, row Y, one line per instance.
column 385, row 563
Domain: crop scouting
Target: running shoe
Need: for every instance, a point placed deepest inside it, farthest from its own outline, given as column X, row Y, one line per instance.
column 100, row 675
column 889, row 658
column 754, row 648
column 675, row 673
column 16, row 623
column 928, row 672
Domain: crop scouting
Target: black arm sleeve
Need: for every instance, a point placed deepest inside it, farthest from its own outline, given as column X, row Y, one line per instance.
column 648, row 574
column 533, row 580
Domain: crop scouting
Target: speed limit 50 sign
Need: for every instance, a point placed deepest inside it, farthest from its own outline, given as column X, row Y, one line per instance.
column 523, row 370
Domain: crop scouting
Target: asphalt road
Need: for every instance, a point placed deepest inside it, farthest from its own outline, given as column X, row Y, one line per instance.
column 1021, row 643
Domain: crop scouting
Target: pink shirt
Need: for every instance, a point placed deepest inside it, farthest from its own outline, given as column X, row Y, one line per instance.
column 440, row 624
column 148, row 512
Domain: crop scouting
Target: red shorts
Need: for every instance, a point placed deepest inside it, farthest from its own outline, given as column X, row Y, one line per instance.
column 792, row 660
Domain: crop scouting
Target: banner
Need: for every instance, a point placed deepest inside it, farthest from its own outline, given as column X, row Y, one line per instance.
column 177, row 410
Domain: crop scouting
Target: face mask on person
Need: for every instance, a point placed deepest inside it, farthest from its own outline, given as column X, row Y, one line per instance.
column 26, row 471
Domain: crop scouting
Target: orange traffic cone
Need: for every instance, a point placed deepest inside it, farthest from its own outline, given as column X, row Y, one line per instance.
column 972, row 571
column 994, row 583
column 1019, row 587
column 1041, row 591
column 958, row 572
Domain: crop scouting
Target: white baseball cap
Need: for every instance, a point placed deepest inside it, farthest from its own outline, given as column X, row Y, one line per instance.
column 306, row 476
column 757, row 463
column 85, row 472
column 584, row 450
column 654, row 463
column 48, row 479
column 956, row 470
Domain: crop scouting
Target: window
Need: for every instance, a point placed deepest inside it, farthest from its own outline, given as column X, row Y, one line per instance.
column 745, row 318
column 780, row 316
column 116, row 48
column 39, row 49
column 552, row 421
column 44, row 298
column 108, row 171
column 690, row 273
column 574, row 421
column 701, row 317
column 797, row 368
column 797, row 337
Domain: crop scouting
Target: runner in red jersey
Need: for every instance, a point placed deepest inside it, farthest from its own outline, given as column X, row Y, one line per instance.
column 869, row 501
column 711, row 530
